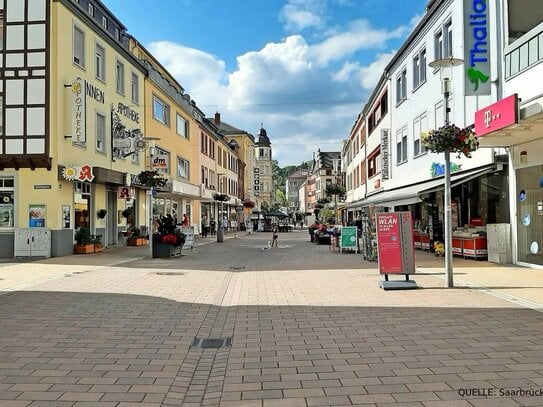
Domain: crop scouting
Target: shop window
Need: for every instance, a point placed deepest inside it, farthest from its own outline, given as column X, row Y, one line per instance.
column 82, row 197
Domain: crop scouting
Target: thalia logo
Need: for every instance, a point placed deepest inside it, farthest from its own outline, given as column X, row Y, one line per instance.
column 477, row 36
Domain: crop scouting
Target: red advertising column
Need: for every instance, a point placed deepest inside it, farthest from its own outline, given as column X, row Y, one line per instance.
column 395, row 243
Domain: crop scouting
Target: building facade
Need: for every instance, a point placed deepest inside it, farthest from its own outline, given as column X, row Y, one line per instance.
column 262, row 178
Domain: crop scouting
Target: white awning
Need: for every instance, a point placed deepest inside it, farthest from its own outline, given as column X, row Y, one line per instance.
column 410, row 194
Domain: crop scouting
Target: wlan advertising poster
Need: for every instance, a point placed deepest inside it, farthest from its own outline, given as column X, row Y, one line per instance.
column 395, row 243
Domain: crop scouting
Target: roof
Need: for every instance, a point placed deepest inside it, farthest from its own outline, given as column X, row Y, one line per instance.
column 263, row 139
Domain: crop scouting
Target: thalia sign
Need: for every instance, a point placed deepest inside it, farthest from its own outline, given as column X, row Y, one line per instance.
column 477, row 47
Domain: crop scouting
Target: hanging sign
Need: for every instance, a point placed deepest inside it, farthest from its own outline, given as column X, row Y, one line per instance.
column 79, row 106
column 124, row 192
column 477, row 47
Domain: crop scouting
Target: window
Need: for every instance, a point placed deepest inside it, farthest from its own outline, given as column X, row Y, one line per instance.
column 117, row 34
column 79, row 47
column 135, row 89
column 119, row 77
column 374, row 163
column 401, row 145
column 100, row 132
column 1, row 115
column 161, row 111
column 7, row 194
column 91, row 9
column 448, row 40
column 104, row 22
column 100, row 62
column 419, row 69
column 1, row 30
column 438, row 45
column 420, row 125
column 443, row 42
column 401, row 87
column 182, row 168
column 181, row 126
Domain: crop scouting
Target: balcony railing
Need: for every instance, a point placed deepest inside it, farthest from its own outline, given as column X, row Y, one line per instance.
column 524, row 56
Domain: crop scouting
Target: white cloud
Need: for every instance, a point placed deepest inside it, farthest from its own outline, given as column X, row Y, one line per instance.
column 369, row 76
column 201, row 74
column 302, row 93
column 300, row 14
column 360, row 35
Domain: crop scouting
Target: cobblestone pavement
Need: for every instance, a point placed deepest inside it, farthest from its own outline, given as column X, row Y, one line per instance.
column 308, row 327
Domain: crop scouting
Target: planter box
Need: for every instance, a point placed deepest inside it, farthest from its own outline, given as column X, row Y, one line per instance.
column 98, row 248
column 162, row 251
column 137, row 241
column 84, row 248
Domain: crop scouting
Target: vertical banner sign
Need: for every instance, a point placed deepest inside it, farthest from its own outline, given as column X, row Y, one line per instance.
column 385, row 167
column 477, row 47
column 79, row 134
column 395, row 243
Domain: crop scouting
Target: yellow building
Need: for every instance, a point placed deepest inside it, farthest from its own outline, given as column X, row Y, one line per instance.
column 171, row 121
column 72, row 99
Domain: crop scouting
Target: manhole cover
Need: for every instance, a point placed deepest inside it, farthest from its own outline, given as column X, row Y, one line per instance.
column 169, row 273
column 213, row 343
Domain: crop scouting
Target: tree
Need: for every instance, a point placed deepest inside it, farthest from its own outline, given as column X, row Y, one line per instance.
column 280, row 198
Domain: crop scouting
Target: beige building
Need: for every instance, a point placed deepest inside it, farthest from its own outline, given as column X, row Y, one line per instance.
column 67, row 78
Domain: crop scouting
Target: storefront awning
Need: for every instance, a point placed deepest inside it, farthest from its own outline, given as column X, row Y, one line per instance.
column 411, row 194
column 459, row 178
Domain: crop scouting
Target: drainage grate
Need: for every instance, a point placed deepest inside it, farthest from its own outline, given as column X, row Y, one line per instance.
column 234, row 268
column 214, row 343
column 169, row 273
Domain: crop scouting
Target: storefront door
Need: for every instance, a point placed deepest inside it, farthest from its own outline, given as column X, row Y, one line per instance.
column 111, row 226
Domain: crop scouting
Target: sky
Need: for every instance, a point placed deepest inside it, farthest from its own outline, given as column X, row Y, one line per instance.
column 303, row 69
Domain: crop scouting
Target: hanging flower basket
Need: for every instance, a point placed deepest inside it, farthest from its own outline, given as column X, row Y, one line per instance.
column 248, row 203
column 221, row 197
column 450, row 138
column 151, row 179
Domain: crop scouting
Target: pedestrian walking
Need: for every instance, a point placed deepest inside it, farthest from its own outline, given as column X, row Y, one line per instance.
column 275, row 235
column 212, row 225
column 204, row 226
column 301, row 225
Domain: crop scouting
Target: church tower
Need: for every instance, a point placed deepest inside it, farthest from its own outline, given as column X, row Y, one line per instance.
column 263, row 182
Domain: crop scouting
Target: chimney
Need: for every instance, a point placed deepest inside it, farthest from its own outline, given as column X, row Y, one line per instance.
column 217, row 118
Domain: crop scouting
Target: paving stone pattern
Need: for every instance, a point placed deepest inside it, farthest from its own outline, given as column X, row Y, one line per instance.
column 302, row 336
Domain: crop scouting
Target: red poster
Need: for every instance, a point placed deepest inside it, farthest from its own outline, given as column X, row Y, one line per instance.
column 389, row 243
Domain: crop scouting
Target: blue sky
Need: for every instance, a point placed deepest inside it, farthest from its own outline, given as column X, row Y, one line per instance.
column 303, row 68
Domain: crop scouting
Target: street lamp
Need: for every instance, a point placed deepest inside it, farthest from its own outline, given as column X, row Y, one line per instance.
column 445, row 72
column 150, row 148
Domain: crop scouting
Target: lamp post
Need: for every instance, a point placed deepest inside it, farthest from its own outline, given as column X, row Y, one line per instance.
column 445, row 66
column 150, row 149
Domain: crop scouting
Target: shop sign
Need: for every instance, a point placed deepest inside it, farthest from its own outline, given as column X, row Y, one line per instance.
column 476, row 47
column 497, row 116
column 385, row 167
column 79, row 106
column 160, row 163
column 124, row 192
column 128, row 112
column 95, row 92
column 42, row 186
column 395, row 243
column 75, row 173
column 438, row 169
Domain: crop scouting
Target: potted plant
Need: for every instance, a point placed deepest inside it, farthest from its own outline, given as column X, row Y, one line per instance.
column 168, row 240
column 137, row 239
column 84, row 242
